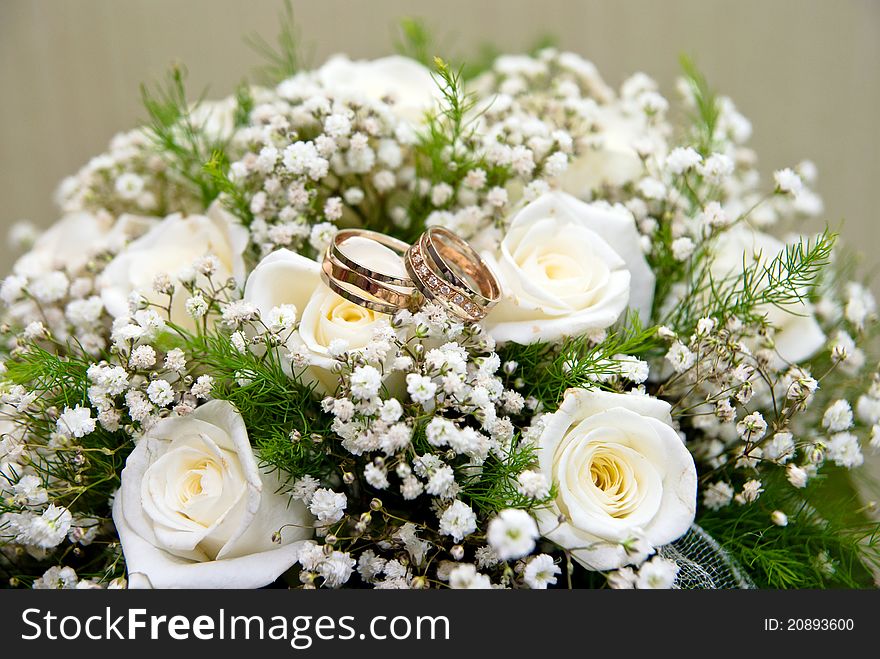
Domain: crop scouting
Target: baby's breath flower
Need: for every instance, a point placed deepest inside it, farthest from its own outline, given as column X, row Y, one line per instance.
column 540, row 572
column 717, row 495
column 788, row 182
column 796, row 476
column 196, row 306
column 838, row 416
column 328, row 506
column 76, row 421
column 160, row 392
column 752, row 427
column 680, row 357
column 683, row 248
column 512, row 534
column 458, row 521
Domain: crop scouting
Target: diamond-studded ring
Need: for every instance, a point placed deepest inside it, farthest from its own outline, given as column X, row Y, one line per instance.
column 448, row 270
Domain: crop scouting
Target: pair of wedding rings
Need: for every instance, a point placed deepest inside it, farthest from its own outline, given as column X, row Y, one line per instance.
column 440, row 267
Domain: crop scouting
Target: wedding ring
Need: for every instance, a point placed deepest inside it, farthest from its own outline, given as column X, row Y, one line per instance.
column 363, row 286
column 448, row 270
column 387, row 241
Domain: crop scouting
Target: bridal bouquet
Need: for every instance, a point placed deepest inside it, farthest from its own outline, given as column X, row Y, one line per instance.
column 400, row 324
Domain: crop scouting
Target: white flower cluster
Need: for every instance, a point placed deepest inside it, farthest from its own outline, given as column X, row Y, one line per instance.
column 656, row 355
column 312, row 157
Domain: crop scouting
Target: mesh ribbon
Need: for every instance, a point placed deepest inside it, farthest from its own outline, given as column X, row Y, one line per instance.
column 703, row 564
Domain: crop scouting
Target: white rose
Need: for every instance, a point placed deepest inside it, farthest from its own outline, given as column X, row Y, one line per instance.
column 620, row 469
column 195, row 511
column 567, row 267
column 71, row 242
column 608, row 156
column 169, row 247
column 406, row 83
column 284, row 277
column 798, row 335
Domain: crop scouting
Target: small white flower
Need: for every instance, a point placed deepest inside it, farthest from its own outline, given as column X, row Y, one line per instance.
column 512, row 534
column 12, row 288
column 57, row 578
column 752, row 428
column 788, row 181
column 142, row 357
column 50, row 528
column 680, row 357
column 129, row 185
column 533, row 484
column 441, row 193
column 391, row 410
column 681, row 159
column 175, row 360
column 396, row 438
column 376, row 476
column 875, row 437
column 555, row 165
column 281, row 318
column 751, row 491
column 475, row 179
column 239, row 341
column 714, row 216
column 716, row 168
column 365, row 382
column 868, row 409
column 466, row 577
column 202, row 387
column 658, row 573
column 779, row 518
column 35, row 330
column 420, row 388
column 50, row 287
column 196, row 306
column 496, row 197
column 796, row 476
column 238, row 312
column 76, row 422
column 540, row 572
column 337, row 347
column 29, row 491
column 780, row 448
column 303, row 488
column 160, row 393
column 631, row 368
column 844, row 450
column 370, row 566
column 336, row 569
column 717, row 495
column 323, row 232
column 458, row 521
column 328, row 506
column 623, row 579
column 439, row 431
column 441, row 482
column 651, row 188
column 838, row 416
column 682, row 248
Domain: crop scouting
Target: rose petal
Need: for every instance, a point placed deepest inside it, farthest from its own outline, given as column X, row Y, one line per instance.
column 150, row 567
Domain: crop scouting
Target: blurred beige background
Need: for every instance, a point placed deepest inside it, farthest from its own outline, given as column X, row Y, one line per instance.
column 804, row 71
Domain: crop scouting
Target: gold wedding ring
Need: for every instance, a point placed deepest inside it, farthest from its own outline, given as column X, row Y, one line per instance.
column 442, row 267
column 448, row 270
column 353, row 281
column 387, row 241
